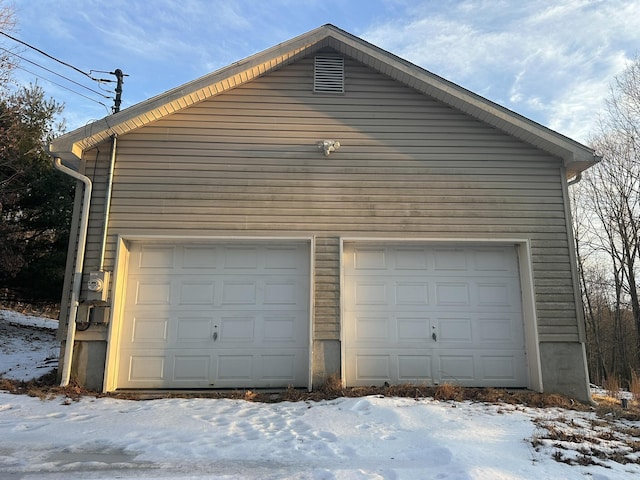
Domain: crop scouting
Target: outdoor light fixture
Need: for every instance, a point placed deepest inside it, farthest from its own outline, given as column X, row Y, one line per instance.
column 328, row 146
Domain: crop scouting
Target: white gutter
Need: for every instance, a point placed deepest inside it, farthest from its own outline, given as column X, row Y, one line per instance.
column 77, row 275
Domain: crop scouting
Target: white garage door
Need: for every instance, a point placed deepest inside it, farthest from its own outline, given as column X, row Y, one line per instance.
column 432, row 314
column 215, row 316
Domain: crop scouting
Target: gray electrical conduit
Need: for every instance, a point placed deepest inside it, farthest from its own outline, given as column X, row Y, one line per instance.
column 107, row 200
column 77, row 274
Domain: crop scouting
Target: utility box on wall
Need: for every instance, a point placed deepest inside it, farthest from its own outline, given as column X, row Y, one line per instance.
column 98, row 286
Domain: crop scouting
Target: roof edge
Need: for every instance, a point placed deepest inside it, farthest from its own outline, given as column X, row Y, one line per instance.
column 576, row 156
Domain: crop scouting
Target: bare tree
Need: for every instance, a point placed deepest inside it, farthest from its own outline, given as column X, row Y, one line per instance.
column 593, row 284
column 7, row 57
column 610, row 203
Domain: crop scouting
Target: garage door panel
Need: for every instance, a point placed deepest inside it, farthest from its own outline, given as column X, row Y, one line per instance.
column 145, row 368
column 281, row 258
column 193, row 329
column 398, row 366
column 275, row 369
column 507, row 367
column 371, row 293
column 239, row 292
column 371, row 328
column 149, row 329
column 282, row 329
column 452, row 294
column 370, row 258
column 411, row 292
column 450, row 260
column 494, row 259
column 279, row 366
column 152, row 292
column 239, row 328
column 454, row 330
column 208, row 314
column 372, row 368
column 241, row 258
column 200, row 258
column 458, row 307
column 194, row 292
column 457, row 368
column 152, row 257
column 191, row 367
column 283, row 292
column 498, row 331
column 409, row 259
column 415, row 368
column 493, row 294
column 482, row 369
column 478, row 332
column 238, row 369
column 412, row 329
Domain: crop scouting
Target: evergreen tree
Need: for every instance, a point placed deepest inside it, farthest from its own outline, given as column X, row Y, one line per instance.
column 36, row 201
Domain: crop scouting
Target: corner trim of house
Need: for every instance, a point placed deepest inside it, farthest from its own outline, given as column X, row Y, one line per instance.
column 343, row 370
column 529, row 313
column 582, row 335
column 117, row 308
column 312, row 305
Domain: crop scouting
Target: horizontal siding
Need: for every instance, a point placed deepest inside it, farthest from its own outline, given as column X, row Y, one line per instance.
column 246, row 163
column 327, row 289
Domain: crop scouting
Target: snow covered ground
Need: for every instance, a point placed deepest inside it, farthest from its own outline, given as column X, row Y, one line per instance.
column 348, row 438
column 28, row 346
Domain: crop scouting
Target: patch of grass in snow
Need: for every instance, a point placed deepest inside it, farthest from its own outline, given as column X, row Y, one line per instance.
column 47, row 386
column 588, row 441
column 41, row 309
column 44, row 388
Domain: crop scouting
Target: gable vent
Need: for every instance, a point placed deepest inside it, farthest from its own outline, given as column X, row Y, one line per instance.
column 328, row 75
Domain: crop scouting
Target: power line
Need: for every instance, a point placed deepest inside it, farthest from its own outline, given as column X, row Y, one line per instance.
column 62, row 86
column 118, row 74
column 56, row 73
column 55, row 59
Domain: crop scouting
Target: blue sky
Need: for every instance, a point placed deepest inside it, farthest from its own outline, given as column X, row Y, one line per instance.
column 550, row 60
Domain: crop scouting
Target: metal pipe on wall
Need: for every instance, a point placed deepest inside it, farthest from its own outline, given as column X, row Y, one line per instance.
column 107, row 201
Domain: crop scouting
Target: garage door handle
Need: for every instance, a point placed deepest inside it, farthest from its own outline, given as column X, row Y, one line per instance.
column 434, row 336
column 215, row 333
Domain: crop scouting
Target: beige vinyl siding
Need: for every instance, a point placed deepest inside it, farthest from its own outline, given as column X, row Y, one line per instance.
column 327, row 288
column 97, row 169
column 246, row 163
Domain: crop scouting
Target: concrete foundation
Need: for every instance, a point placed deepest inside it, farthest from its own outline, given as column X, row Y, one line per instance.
column 326, row 361
column 563, row 366
column 88, row 364
column 564, row 370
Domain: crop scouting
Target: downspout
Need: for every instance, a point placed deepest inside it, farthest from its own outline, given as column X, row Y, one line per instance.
column 575, row 179
column 77, row 274
column 107, row 201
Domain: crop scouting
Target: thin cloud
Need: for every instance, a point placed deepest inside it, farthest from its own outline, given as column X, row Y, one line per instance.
column 550, row 62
